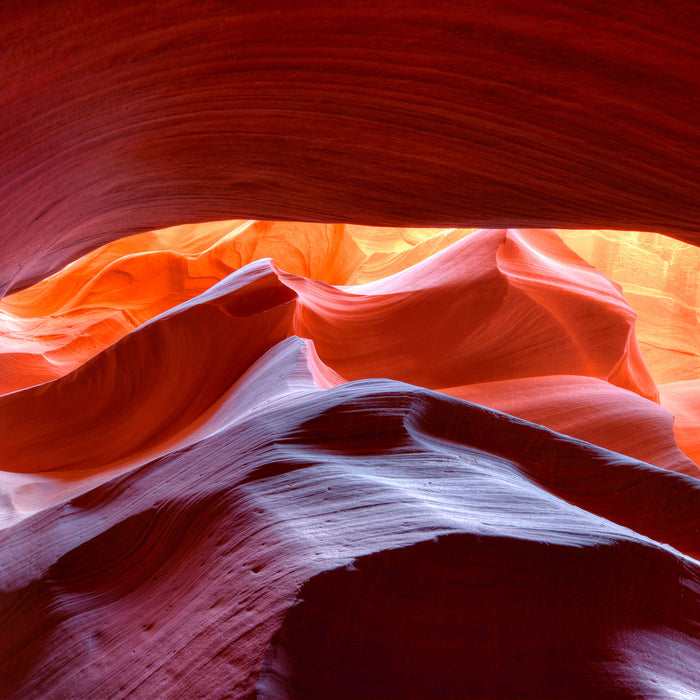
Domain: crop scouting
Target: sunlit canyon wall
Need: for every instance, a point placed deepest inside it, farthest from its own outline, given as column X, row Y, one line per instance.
column 417, row 416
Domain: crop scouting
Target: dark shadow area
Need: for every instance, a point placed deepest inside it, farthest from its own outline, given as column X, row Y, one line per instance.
column 472, row 617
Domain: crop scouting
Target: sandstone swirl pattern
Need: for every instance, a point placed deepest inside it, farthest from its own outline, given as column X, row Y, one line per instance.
column 269, row 480
column 480, row 113
column 263, row 459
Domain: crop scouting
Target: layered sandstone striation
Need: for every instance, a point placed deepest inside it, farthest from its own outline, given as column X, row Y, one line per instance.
column 490, row 113
column 316, row 449
column 313, row 461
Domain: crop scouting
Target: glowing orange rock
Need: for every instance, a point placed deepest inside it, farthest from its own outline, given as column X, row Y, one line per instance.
column 52, row 328
column 496, row 305
column 660, row 278
column 683, row 400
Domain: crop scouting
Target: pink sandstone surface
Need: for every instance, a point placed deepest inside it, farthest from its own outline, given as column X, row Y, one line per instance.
column 268, row 457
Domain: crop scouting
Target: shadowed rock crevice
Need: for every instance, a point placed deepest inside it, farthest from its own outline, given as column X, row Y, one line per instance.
column 448, row 619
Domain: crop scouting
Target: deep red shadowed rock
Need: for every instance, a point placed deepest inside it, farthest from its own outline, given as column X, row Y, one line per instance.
column 117, row 120
column 469, row 616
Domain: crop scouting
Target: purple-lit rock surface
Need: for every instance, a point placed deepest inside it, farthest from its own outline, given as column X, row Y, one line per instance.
column 276, row 458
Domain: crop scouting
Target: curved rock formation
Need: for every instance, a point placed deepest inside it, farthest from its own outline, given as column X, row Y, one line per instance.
column 496, row 305
column 489, row 113
column 178, row 574
column 683, row 400
column 238, row 506
column 505, row 303
column 465, row 594
column 264, row 459
column 660, row 279
column 597, row 412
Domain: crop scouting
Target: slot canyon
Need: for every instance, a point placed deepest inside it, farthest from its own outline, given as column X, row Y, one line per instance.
column 350, row 350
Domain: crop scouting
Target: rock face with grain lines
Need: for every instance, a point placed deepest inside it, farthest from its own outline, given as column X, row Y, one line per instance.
column 120, row 120
column 283, row 487
column 264, row 434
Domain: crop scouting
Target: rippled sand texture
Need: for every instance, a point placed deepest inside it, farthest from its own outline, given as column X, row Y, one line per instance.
column 260, row 459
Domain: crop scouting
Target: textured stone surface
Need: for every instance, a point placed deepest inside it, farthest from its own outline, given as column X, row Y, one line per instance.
column 490, row 113
column 213, row 506
column 255, row 459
